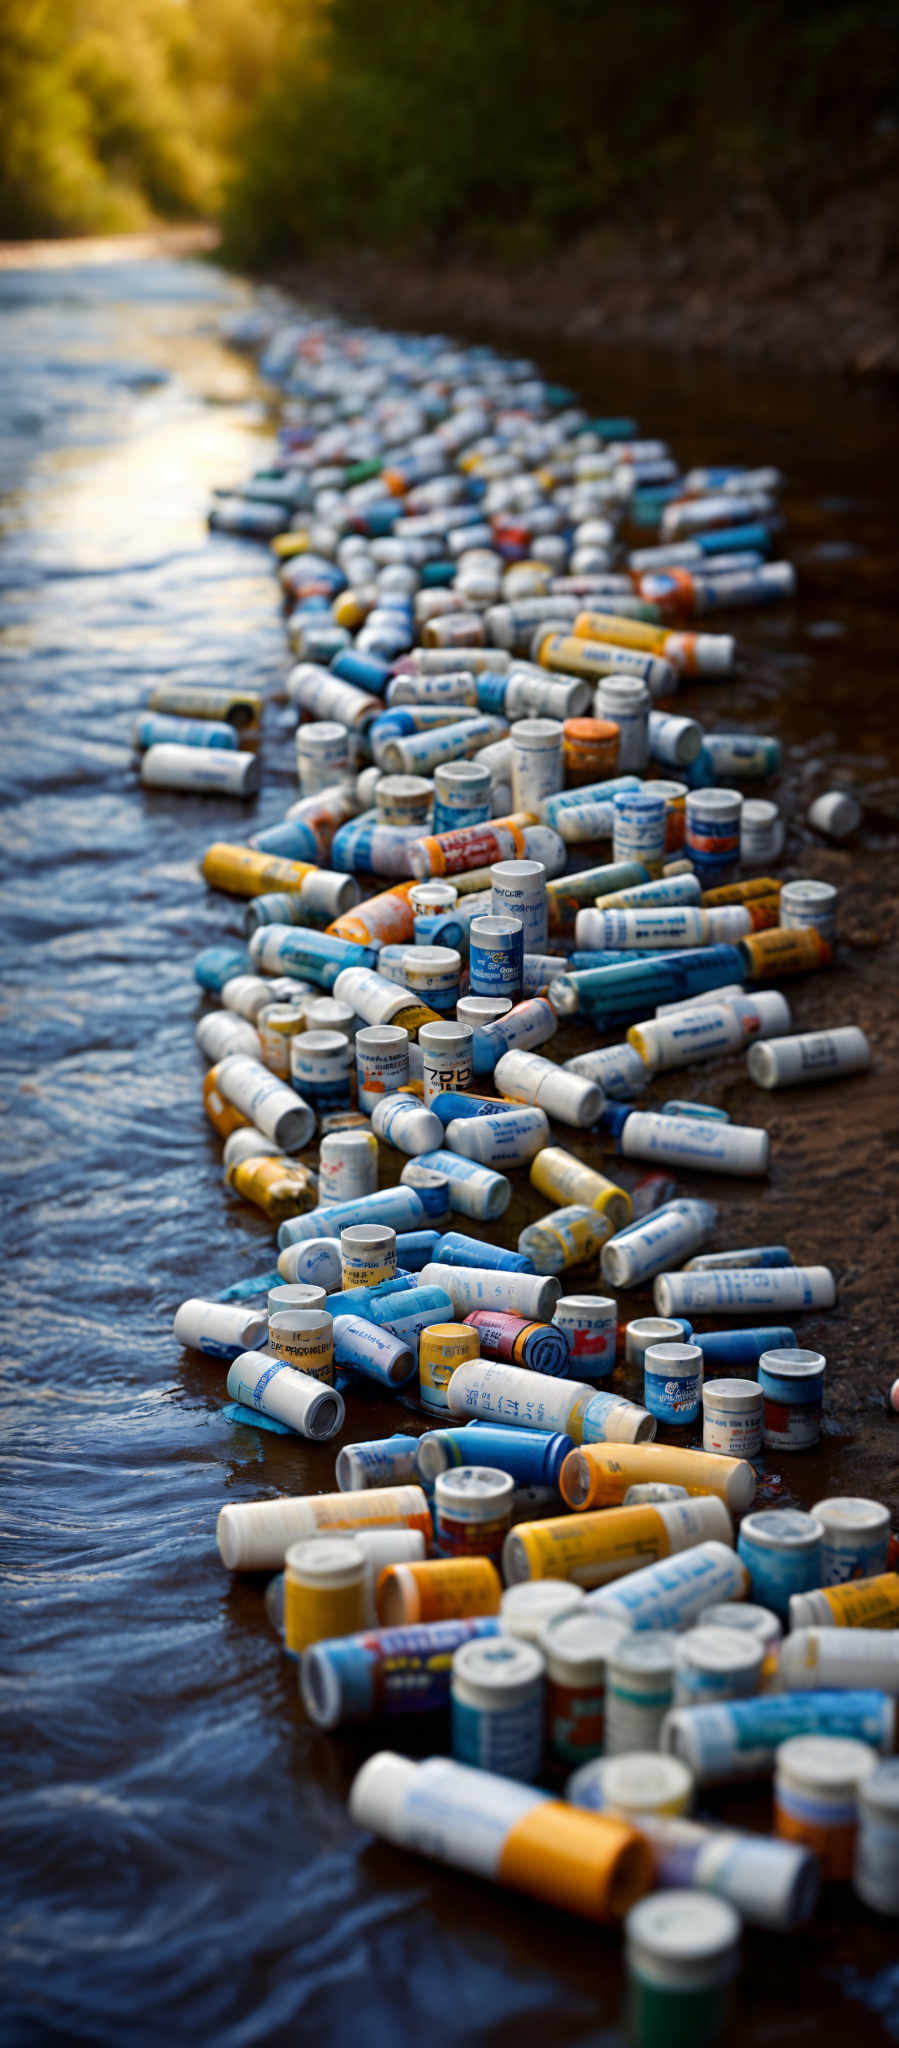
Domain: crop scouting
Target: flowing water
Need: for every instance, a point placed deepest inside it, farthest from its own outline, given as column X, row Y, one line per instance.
column 177, row 1859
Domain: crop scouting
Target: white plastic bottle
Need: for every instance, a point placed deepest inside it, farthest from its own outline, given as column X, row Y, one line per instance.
column 526, row 1077
column 810, row 1056
column 647, row 1247
column 733, row 1290
column 711, row 1147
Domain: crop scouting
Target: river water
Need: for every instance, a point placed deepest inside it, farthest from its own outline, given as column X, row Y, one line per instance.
column 177, row 1860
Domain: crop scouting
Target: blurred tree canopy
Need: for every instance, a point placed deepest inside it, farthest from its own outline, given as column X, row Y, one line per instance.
column 514, row 124
column 507, row 126
column 113, row 115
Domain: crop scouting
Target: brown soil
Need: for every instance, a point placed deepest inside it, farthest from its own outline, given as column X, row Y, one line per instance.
column 812, row 282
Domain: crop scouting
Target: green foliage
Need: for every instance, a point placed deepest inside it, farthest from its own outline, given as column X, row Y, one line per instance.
column 110, row 116
column 502, row 125
column 511, row 126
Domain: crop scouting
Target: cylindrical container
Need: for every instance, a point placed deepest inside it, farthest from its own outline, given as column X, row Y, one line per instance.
column 513, row 1340
column 792, row 1385
column 589, row 749
column 403, row 800
column 528, row 1077
column 839, row 1660
column 640, row 1785
column 256, row 1535
column 481, row 1011
column 388, row 1461
column 732, row 1417
column 315, row 1262
column 461, row 794
column 856, row 1538
column 772, row 952
column 875, row 1874
column 259, row 1380
column 672, row 1592
column 455, row 1248
column 575, row 1646
column 589, row 1322
column 405, row 1123
column 526, row 1609
column 836, row 814
column 672, row 1382
column 472, row 1511
column 738, row 1738
column 711, row 1147
column 442, row 1348
column 742, row 1288
column 367, row 1254
column 324, row 1590
column 496, row 956
column 533, row 1458
column 277, row 1024
column 639, row 1689
column 265, row 1102
column 447, row 1058
column 440, row 1589
column 473, row 1190
column 382, row 1062
column 626, row 702
column 806, row 903
column 220, row 1329
column 707, row 1029
column 377, row 1353
column 673, row 740
column 682, row 1955
column 716, row 1664
column 595, row 1549
column 296, row 1295
column 639, row 826
column 203, row 771
column 496, row 1693
column 537, row 766
column 781, row 1549
column 761, row 831
column 558, row 1173
column 864, row 1603
column 433, row 973
column 518, row 889
column 644, row 1247
column 817, row 1780
column 474, row 1287
column 809, row 1056
column 585, row 1863
column 347, row 1165
column 155, row 728
column 320, row 1066
column 743, row 1616
column 220, row 1033
column 648, row 1330
column 609, row 1418
column 508, row 1393
column 600, row 1475
column 510, row 1138
column 394, row 1671
column 431, row 898
column 304, row 1336
column 323, row 755
column 712, row 833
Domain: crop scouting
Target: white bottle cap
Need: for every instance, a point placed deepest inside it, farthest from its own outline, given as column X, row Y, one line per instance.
column 525, row 1609
column 683, row 1940
column 379, row 1791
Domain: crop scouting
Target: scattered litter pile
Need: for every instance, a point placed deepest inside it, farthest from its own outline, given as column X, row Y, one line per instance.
column 509, row 828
